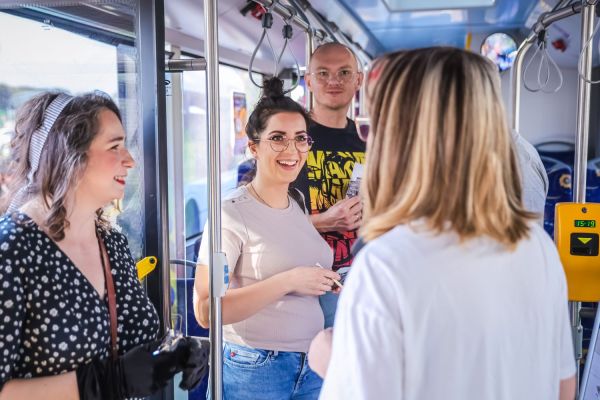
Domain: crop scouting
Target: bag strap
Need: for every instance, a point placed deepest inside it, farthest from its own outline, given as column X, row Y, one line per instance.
column 298, row 197
column 110, row 292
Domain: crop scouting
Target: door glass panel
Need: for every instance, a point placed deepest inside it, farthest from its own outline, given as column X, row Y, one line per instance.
column 188, row 129
column 75, row 49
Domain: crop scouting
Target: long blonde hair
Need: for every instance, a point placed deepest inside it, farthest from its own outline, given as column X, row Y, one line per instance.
column 440, row 149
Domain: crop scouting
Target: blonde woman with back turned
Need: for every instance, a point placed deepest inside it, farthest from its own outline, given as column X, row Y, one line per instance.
column 458, row 293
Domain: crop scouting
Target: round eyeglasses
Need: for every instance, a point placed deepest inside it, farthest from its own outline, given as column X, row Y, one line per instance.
column 342, row 76
column 303, row 143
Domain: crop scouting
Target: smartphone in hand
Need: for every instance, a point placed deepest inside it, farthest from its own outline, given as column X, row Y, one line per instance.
column 354, row 185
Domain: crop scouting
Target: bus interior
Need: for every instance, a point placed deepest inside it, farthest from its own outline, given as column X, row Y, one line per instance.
column 150, row 57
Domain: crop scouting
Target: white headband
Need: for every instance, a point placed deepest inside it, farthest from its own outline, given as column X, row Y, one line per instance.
column 38, row 140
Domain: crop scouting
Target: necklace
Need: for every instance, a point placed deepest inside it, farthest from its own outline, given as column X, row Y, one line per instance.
column 261, row 199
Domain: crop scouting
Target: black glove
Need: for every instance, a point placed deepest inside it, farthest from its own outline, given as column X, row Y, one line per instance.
column 137, row 373
column 196, row 366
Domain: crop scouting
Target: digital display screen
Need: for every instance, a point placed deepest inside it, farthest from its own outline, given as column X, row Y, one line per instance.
column 585, row 223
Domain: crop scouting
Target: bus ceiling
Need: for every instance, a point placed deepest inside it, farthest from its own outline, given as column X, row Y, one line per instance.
column 240, row 30
column 375, row 27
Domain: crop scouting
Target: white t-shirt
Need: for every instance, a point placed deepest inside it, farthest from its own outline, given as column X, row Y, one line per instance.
column 423, row 317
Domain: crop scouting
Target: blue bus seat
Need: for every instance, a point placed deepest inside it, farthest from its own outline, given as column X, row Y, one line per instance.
column 592, row 189
column 558, row 149
column 245, row 172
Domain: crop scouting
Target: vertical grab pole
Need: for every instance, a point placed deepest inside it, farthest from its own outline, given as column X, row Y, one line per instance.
column 516, row 82
column 583, row 108
column 176, row 164
column 214, row 193
column 581, row 155
column 310, row 47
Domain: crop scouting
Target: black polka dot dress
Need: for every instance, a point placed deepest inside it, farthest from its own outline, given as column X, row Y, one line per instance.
column 52, row 320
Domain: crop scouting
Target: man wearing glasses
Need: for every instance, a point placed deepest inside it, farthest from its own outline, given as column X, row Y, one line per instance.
column 333, row 78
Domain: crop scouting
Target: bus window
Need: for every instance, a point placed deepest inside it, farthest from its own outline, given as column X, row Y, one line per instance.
column 235, row 89
column 52, row 54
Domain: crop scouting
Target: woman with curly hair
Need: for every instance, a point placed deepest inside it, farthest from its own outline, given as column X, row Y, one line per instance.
column 74, row 320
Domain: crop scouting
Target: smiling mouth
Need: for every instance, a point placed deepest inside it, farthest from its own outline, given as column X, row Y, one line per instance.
column 287, row 163
column 120, row 179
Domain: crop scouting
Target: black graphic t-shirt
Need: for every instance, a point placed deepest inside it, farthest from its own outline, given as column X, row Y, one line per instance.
column 325, row 177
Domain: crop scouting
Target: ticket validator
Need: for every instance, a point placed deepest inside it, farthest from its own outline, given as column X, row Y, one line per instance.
column 577, row 232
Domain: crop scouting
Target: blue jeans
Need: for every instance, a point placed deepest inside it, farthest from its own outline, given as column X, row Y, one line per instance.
column 251, row 374
column 328, row 303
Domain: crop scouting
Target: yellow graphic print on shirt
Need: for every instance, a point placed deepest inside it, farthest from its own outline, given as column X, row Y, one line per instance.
column 329, row 174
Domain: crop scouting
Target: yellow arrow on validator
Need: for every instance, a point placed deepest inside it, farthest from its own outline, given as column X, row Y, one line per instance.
column 584, row 240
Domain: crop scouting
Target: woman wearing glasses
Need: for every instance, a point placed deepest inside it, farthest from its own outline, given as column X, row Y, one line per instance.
column 279, row 264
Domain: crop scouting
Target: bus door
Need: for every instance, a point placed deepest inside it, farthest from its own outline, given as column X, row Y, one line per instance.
column 106, row 45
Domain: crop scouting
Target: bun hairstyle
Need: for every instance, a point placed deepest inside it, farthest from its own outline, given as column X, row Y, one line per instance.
column 273, row 101
column 273, row 88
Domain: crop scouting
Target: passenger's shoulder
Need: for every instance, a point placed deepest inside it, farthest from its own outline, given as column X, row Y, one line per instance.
column 539, row 251
column 8, row 224
column 539, row 235
column 388, row 249
column 236, row 197
column 234, row 204
column 17, row 238
column 526, row 152
column 115, row 235
column 14, row 228
column 379, row 273
column 398, row 239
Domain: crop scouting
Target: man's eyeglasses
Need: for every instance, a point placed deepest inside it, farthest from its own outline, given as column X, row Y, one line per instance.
column 280, row 143
column 343, row 76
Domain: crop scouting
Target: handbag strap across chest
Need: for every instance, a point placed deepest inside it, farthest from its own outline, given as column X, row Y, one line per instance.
column 110, row 292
